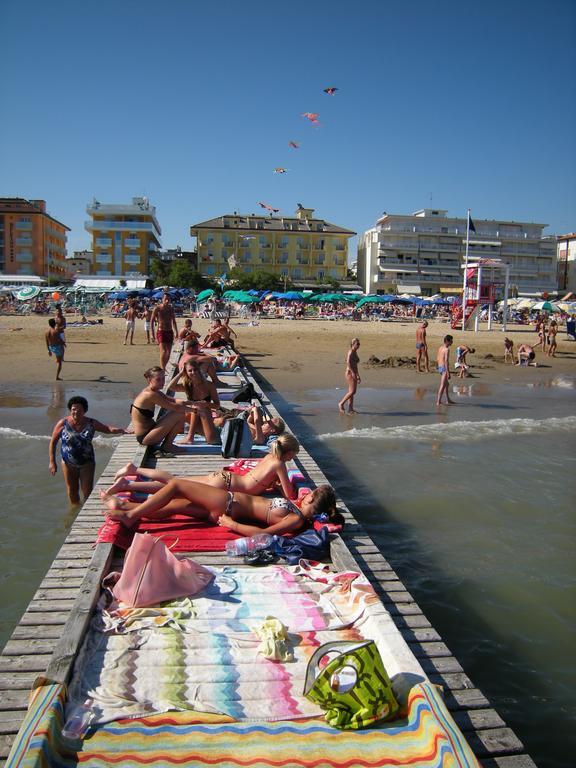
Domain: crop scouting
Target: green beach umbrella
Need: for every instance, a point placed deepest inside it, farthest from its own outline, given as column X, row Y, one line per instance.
column 30, row 292
column 204, row 295
column 546, row 306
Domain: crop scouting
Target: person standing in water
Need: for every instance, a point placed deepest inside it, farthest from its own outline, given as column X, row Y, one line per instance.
column 422, row 347
column 443, row 363
column 55, row 345
column 352, row 377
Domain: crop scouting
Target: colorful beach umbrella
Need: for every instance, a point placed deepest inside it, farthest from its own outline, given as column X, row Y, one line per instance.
column 27, row 293
column 546, row 306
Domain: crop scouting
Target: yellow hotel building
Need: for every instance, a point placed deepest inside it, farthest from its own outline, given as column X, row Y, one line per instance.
column 31, row 241
column 299, row 247
column 124, row 237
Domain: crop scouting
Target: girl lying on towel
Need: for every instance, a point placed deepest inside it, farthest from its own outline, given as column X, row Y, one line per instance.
column 239, row 512
column 270, row 471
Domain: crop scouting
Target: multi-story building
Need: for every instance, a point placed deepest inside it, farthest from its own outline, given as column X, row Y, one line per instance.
column 567, row 262
column 424, row 253
column 31, row 241
column 177, row 254
column 301, row 247
column 80, row 263
column 124, row 237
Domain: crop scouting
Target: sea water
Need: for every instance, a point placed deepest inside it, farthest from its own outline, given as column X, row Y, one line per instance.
column 474, row 507
column 35, row 514
column 472, row 504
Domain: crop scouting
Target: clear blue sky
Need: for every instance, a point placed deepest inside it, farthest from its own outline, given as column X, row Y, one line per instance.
column 447, row 104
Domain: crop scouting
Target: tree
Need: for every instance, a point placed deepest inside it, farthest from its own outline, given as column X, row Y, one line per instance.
column 260, row 281
column 159, row 271
column 183, row 275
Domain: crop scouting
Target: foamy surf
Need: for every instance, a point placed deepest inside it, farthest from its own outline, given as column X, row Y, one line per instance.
column 18, row 434
column 458, row 431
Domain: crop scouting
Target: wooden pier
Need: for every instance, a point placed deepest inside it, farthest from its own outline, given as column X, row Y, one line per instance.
column 48, row 635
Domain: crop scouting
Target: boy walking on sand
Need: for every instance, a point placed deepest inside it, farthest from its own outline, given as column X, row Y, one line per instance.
column 443, row 364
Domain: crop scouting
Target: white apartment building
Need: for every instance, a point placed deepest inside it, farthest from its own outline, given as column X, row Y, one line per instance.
column 124, row 237
column 422, row 253
column 567, row 263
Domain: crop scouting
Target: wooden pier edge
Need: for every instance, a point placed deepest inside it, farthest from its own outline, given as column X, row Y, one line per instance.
column 50, row 632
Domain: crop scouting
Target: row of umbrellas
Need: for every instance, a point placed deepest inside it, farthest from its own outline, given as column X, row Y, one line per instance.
column 540, row 306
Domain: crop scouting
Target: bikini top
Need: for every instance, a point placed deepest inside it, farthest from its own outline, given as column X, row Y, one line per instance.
column 282, row 504
column 146, row 412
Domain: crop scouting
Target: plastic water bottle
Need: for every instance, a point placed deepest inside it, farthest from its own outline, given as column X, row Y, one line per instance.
column 241, row 547
column 79, row 721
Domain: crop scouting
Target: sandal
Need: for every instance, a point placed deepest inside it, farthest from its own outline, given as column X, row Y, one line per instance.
column 160, row 453
column 260, row 557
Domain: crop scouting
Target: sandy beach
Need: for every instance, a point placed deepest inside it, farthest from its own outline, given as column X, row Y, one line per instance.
column 289, row 354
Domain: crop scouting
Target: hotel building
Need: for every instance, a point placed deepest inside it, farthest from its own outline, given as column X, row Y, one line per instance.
column 424, row 252
column 31, row 241
column 567, row 262
column 301, row 248
column 124, row 237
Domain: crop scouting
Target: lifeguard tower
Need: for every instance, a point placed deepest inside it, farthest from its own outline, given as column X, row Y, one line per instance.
column 483, row 283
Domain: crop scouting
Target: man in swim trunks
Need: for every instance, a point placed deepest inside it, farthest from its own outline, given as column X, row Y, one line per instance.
column 55, row 345
column 422, row 347
column 443, row 364
column 130, row 316
column 146, row 315
column 164, row 328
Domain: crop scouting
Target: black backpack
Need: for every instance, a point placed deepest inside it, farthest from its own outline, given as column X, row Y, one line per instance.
column 245, row 394
column 236, row 438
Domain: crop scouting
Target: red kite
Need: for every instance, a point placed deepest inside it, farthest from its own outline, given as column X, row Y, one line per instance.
column 268, row 207
column 294, row 144
column 330, row 91
column 312, row 116
column 281, row 170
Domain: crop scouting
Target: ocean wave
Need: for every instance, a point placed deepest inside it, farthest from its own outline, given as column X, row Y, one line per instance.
column 18, row 434
column 458, row 431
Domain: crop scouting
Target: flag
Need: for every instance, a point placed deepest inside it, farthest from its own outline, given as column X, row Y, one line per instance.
column 222, row 280
column 471, row 226
column 232, row 261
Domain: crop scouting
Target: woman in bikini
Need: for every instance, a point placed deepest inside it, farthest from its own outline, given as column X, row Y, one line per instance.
column 239, row 512
column 203, row 395
column 150, row 431
column 270, row 471
column 352, row 377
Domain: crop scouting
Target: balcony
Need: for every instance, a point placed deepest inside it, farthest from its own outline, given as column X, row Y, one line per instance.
column 23, row 241
column 104, row 242
column 132, row 242
column 24, row 225
column 121, row 226
column 319, row 260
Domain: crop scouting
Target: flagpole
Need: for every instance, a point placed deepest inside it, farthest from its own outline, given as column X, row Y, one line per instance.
column 465, row 281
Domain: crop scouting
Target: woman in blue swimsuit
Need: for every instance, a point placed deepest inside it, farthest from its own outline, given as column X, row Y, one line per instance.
column 78, row 463
column 240, row 512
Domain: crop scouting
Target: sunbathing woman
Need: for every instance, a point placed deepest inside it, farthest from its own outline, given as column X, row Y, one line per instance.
column 150, row 431
column 271, row 470
column 239, row 512
column 202, row 393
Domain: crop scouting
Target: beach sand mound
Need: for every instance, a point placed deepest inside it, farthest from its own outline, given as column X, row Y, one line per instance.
column 391, row 362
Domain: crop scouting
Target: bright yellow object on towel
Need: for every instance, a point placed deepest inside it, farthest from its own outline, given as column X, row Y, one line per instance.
column 274, row 645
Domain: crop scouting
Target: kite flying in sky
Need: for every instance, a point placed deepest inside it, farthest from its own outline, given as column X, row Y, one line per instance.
column 312, row 116
column 330, row 91
column 281, row 170
column 293, row 144
column 268, row 207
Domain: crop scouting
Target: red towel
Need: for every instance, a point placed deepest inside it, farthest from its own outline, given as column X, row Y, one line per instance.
column 179, row 530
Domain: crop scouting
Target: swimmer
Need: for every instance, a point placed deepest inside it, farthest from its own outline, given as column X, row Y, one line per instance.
column 443, row 365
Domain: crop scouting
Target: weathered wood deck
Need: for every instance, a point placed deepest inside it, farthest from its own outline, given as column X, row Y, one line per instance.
column 47, row 637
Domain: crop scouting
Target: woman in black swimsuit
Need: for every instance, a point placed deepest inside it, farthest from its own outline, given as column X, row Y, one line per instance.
column 150, row 431
column 240, row 512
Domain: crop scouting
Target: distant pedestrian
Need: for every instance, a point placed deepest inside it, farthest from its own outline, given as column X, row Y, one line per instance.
column 443, row 364
column 55, row 345
column 164, row 318
column 61, row 323
column 508, row 350
column 130, row 316
column 461, row 363
column 352, row 377
column 422, row 347
column 552, row 343
column 146, row 315
column 526, row 355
